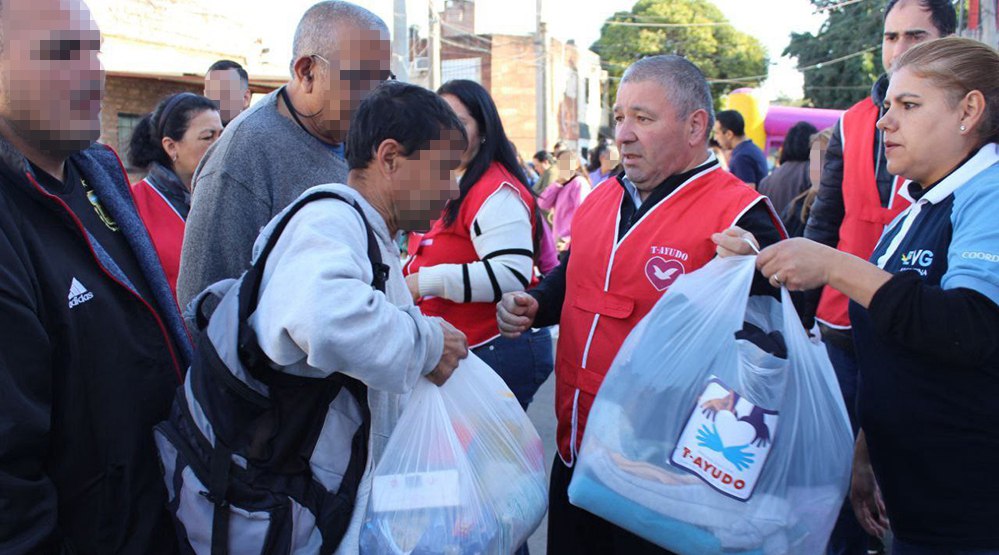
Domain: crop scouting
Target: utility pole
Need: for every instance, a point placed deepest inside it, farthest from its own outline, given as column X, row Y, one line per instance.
column 988, row 22
column 400, row 41
column 541, row 76
column 434, row 44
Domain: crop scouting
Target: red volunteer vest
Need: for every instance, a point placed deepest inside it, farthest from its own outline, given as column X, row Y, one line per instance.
column 864, row 218
column 165, row 226
column 453, row 245
column 611, row 285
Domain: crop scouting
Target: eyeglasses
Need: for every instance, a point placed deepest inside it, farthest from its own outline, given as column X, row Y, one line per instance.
column 360, row 76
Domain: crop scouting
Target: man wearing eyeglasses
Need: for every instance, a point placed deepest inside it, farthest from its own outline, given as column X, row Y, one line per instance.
column 288, row 142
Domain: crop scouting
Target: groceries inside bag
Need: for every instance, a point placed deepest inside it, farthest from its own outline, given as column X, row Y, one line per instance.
column 720, row 427
column 462, row 474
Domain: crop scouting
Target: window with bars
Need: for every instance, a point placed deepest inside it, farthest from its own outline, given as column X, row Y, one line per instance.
column 126, row 125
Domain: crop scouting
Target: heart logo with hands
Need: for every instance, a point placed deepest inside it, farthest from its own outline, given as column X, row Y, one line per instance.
column 733, row 432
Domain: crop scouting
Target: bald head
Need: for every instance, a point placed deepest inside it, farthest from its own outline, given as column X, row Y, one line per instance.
column 341, row 52
column 325, row 24
column 51, row 79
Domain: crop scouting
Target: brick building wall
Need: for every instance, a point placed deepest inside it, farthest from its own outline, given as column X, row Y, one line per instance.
column 467, row 48
column 508, row 70
column 132, row 98
column 513, row 88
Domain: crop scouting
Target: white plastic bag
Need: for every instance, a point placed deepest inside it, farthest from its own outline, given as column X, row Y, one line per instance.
column 463, row 472
column 707, row 444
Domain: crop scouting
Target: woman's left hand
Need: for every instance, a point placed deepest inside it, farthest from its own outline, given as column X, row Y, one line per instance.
column 798, row 264
column 413, row 282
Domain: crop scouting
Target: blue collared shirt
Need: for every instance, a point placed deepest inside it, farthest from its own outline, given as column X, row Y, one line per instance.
column 632, row 191
column 338, row 150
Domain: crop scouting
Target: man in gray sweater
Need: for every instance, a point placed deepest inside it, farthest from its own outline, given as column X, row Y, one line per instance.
column 289, row 141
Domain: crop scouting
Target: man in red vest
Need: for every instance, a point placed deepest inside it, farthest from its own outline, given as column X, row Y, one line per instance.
column 632, row 237
column 857, row 198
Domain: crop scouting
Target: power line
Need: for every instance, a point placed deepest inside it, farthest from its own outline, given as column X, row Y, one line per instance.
column 838, row 87
column 464, row 33
column 669, row 25
column 739, row 80
column 840, row 59
column 649, row 18
column 840, row 5
column 752, row 78
column 801, row 69
column 464, row 46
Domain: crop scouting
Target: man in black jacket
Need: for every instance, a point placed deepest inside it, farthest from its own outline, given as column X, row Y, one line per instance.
column 92, row 345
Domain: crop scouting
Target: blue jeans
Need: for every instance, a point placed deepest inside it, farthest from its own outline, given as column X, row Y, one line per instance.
column 899, row 547
column 524, row 363
column 847, row 538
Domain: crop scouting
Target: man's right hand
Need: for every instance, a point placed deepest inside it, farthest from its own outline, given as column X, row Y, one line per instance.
column 515, row 313
column 735, row 241
column 455, row 349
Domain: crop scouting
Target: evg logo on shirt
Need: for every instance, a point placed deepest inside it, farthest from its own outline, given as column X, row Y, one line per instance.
column 917, row 260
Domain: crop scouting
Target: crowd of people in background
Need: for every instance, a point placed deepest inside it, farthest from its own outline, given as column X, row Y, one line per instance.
column 260, row 253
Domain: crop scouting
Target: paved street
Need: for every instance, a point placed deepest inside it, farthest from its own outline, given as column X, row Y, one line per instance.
column 542, row 413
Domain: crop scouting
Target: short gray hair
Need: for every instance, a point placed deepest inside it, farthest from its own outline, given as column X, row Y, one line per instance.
column 685, row 85
column 316, row 32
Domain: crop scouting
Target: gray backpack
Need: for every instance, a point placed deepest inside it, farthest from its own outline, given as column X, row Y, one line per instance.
column 239, row 449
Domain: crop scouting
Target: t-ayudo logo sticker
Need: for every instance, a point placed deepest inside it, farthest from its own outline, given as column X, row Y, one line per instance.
column 726, row 441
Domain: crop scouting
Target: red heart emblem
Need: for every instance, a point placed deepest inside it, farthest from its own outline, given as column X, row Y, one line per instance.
column 662, row 273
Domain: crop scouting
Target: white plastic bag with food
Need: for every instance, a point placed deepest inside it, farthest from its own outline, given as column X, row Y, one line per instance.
column 720, row 427
column 463, row 472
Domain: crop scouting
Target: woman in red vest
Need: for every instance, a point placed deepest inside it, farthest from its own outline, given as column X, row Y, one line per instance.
column 169, row 143
column 483, row 246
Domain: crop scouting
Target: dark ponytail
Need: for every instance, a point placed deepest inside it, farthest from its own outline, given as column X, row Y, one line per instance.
column 143, row 150
column 171, row 118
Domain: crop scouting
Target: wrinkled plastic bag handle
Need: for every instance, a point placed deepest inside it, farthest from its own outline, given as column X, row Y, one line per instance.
column 797, row 338
column 806, row 352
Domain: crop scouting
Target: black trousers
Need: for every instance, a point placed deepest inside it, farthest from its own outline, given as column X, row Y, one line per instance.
column 573, row 531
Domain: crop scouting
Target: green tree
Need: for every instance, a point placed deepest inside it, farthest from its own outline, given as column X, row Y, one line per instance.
column 721, row 52
column 843, row 60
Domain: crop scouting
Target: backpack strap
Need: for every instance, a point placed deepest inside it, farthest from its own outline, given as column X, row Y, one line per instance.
column 261, row 367
column 218, row 489
column 335, row 513
column 197, row 314
column 251, row 355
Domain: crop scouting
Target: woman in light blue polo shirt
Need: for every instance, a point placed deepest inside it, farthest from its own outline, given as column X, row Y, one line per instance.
column 925, row 309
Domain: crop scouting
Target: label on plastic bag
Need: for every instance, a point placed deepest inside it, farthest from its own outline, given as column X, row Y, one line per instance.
column 417, row 490
column 726, row 441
